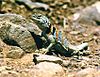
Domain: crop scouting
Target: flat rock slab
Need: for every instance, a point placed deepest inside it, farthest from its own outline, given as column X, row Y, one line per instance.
column 46, row 58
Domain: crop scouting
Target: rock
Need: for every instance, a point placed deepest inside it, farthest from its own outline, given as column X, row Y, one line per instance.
column 15, row 52
column 8, row 74
column 88, row 72
column 96, row 32
column 1, row 49
column 6, row 71
column 48, row 69
column 74, row 32
column 8, row 68
column 17, row 35
column 89, row 15
column 46, row 58
column 46, row 0
column 33, row 5
column 1, row 43
column 44, row 69
column 4, row 68
column 21, row 21
column 10, row 51
column 97, row 74
column 4, row 48
column 1, row 55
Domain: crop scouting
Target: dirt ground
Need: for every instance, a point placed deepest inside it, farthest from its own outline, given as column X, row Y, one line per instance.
column 57, row 12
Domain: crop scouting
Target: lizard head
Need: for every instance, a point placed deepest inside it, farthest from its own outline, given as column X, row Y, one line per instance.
column 41, row 19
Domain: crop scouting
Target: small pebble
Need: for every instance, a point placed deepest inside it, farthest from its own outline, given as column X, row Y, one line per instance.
column 1, row 49
column 64, row 6
column 8, row 68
